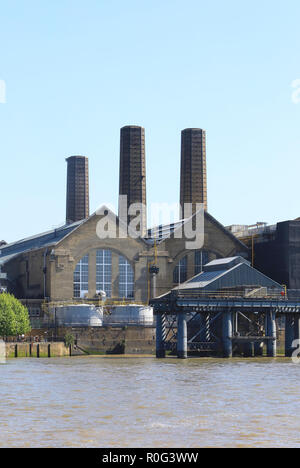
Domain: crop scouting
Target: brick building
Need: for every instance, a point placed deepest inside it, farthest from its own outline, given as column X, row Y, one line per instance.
column 74, row 262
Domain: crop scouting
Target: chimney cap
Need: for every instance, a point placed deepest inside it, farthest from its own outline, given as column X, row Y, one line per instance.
column 132, row 126
column 76, row 157
column 193, row 130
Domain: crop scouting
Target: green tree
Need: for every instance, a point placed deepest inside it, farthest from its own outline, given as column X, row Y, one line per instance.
column 69, row 339
column 14, row 318
column 8, row 325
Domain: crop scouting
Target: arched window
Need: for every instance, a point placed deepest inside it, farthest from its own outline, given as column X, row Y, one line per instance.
column 180, row 272
column 81, row 278
column 201, row 259
column 126, row 279
column 103, row 272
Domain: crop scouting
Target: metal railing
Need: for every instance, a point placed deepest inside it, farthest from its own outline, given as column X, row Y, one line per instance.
column 259, row 293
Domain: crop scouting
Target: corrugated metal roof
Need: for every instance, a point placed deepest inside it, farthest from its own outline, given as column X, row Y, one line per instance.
column 240, row 274
column 162, row 232
column 46, row 239
column 206, row 278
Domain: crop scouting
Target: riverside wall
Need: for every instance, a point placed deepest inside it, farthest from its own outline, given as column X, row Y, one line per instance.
column 37, row 350
column 89, row 340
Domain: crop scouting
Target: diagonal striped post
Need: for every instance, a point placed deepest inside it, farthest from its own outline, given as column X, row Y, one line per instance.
column 160, row 336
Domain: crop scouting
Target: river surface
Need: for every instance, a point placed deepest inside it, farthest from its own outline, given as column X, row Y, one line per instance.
column 144, row 402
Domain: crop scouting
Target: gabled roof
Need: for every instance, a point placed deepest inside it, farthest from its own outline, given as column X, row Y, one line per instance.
column 227, row 273
column 160, row 233
column 164, row 231
column 49, row 238
column 39, row 241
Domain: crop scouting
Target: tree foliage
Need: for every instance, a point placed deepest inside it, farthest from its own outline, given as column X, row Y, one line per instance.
column 14, row 318
column 69, row 339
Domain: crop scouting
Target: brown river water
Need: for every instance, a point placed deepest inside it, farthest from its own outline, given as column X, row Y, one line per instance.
column 144, row 402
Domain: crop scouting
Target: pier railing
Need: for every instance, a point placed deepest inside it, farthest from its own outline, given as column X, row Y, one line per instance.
column 259, row 293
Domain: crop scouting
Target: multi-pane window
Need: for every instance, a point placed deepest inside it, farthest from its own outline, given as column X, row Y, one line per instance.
column 81, row 278
column 103, row 272
column 180, row 272
column 201, row 259
column 126, row 279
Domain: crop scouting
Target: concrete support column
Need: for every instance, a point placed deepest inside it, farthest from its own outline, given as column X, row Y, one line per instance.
column 271, row 327
column 160, row 336
column 289, row 334
column 181, row 336
column 227, row 334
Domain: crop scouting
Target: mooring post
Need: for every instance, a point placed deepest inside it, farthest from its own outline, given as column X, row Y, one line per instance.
column 227, row 334
column 271, row 327
column 181, row 336
column 289, row 334
column 160, row 336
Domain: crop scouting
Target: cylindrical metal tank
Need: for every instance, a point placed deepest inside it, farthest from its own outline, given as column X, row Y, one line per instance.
column 130, row 314
column 82, row 315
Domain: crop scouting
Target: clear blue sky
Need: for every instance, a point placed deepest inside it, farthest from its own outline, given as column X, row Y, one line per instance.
column 77, row 71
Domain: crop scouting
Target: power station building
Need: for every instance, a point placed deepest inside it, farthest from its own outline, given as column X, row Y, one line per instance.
column 275, row 250
column 77, row 262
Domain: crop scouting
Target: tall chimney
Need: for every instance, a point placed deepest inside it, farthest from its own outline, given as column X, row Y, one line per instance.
column 193, row 181
column 133, row 171
column 77, row 189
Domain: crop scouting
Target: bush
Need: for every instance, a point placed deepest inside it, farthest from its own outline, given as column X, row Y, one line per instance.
column 14, row 318
column 69, row 340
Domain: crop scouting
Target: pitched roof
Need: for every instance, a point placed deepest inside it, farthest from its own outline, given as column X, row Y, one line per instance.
column 165, row 231
column 228, row 272
column 45, row 239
